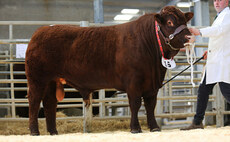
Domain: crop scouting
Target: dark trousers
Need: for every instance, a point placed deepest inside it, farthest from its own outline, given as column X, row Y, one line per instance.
column 203, row 96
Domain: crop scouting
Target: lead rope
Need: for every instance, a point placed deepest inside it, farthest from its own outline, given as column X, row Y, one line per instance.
column 191, row 58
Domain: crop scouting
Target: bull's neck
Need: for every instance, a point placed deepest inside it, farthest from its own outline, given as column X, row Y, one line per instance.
column 146, row 31
column 152, row 50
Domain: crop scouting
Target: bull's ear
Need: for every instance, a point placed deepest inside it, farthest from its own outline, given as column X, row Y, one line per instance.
column 188, row 16
column 159, row 19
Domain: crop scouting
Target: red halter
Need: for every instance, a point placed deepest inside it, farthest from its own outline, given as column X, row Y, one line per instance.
column 158, row 39
column 171, row 36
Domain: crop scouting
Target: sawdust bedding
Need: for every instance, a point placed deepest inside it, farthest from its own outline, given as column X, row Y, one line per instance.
column 209, row 134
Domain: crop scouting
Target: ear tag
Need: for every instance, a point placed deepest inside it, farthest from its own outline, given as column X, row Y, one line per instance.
column 168, row 63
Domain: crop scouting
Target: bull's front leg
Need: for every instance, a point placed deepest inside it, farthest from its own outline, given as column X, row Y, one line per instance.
column 150, row 104
column 135, row 104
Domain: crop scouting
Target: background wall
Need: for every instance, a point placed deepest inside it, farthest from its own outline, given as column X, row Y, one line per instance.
column 41, row 10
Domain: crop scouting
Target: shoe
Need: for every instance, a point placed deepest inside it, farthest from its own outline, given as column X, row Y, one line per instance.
column 193, row 126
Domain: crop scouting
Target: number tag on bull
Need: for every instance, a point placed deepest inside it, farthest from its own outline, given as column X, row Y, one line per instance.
column 168, row 63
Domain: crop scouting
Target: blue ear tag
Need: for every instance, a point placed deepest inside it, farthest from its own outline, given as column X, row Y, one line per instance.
column 168, row 63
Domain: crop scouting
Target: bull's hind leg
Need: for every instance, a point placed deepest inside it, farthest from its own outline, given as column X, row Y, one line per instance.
column 35, row 95
column 50, row 105
column 150, row 104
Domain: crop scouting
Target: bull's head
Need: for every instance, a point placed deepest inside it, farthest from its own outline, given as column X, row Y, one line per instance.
column 172, row 26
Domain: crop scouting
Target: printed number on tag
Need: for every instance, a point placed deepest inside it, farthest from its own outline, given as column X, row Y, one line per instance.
column 168, row 63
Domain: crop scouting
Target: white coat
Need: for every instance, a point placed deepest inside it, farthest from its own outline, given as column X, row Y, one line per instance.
column 218, row 60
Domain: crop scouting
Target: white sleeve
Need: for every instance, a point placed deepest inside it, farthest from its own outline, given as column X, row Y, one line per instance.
column 211, row 31
column 217, row 30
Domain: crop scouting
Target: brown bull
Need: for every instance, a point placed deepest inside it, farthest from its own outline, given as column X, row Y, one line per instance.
column 126, row 57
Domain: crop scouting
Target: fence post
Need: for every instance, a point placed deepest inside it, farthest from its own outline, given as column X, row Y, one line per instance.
column 88, row 116
column 170, row 92
column 219, row 107
column 102, row 104
column 13, row 111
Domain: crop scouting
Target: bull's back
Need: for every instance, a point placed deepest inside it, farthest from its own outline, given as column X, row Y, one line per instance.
column 74, row 51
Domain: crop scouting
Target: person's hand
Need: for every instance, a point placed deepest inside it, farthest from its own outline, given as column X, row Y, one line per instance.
column 205, row 55
column 194, row 31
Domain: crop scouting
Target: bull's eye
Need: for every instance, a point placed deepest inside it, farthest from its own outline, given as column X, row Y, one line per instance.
column 170, row 23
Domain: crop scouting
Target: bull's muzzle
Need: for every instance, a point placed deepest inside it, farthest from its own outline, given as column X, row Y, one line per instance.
column 191, row 39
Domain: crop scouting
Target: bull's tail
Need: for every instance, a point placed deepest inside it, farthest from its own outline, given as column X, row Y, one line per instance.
column 60, row 94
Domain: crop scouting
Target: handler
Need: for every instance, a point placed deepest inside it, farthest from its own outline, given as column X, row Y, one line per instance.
column 218, row 60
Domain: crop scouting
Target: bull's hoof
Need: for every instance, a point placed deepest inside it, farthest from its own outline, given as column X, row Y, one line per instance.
column 136, row 131
column 155, row 130
column 53, row 133
column 34, row 133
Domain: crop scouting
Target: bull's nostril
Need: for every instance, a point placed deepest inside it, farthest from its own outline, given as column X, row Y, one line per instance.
column 190, row 38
